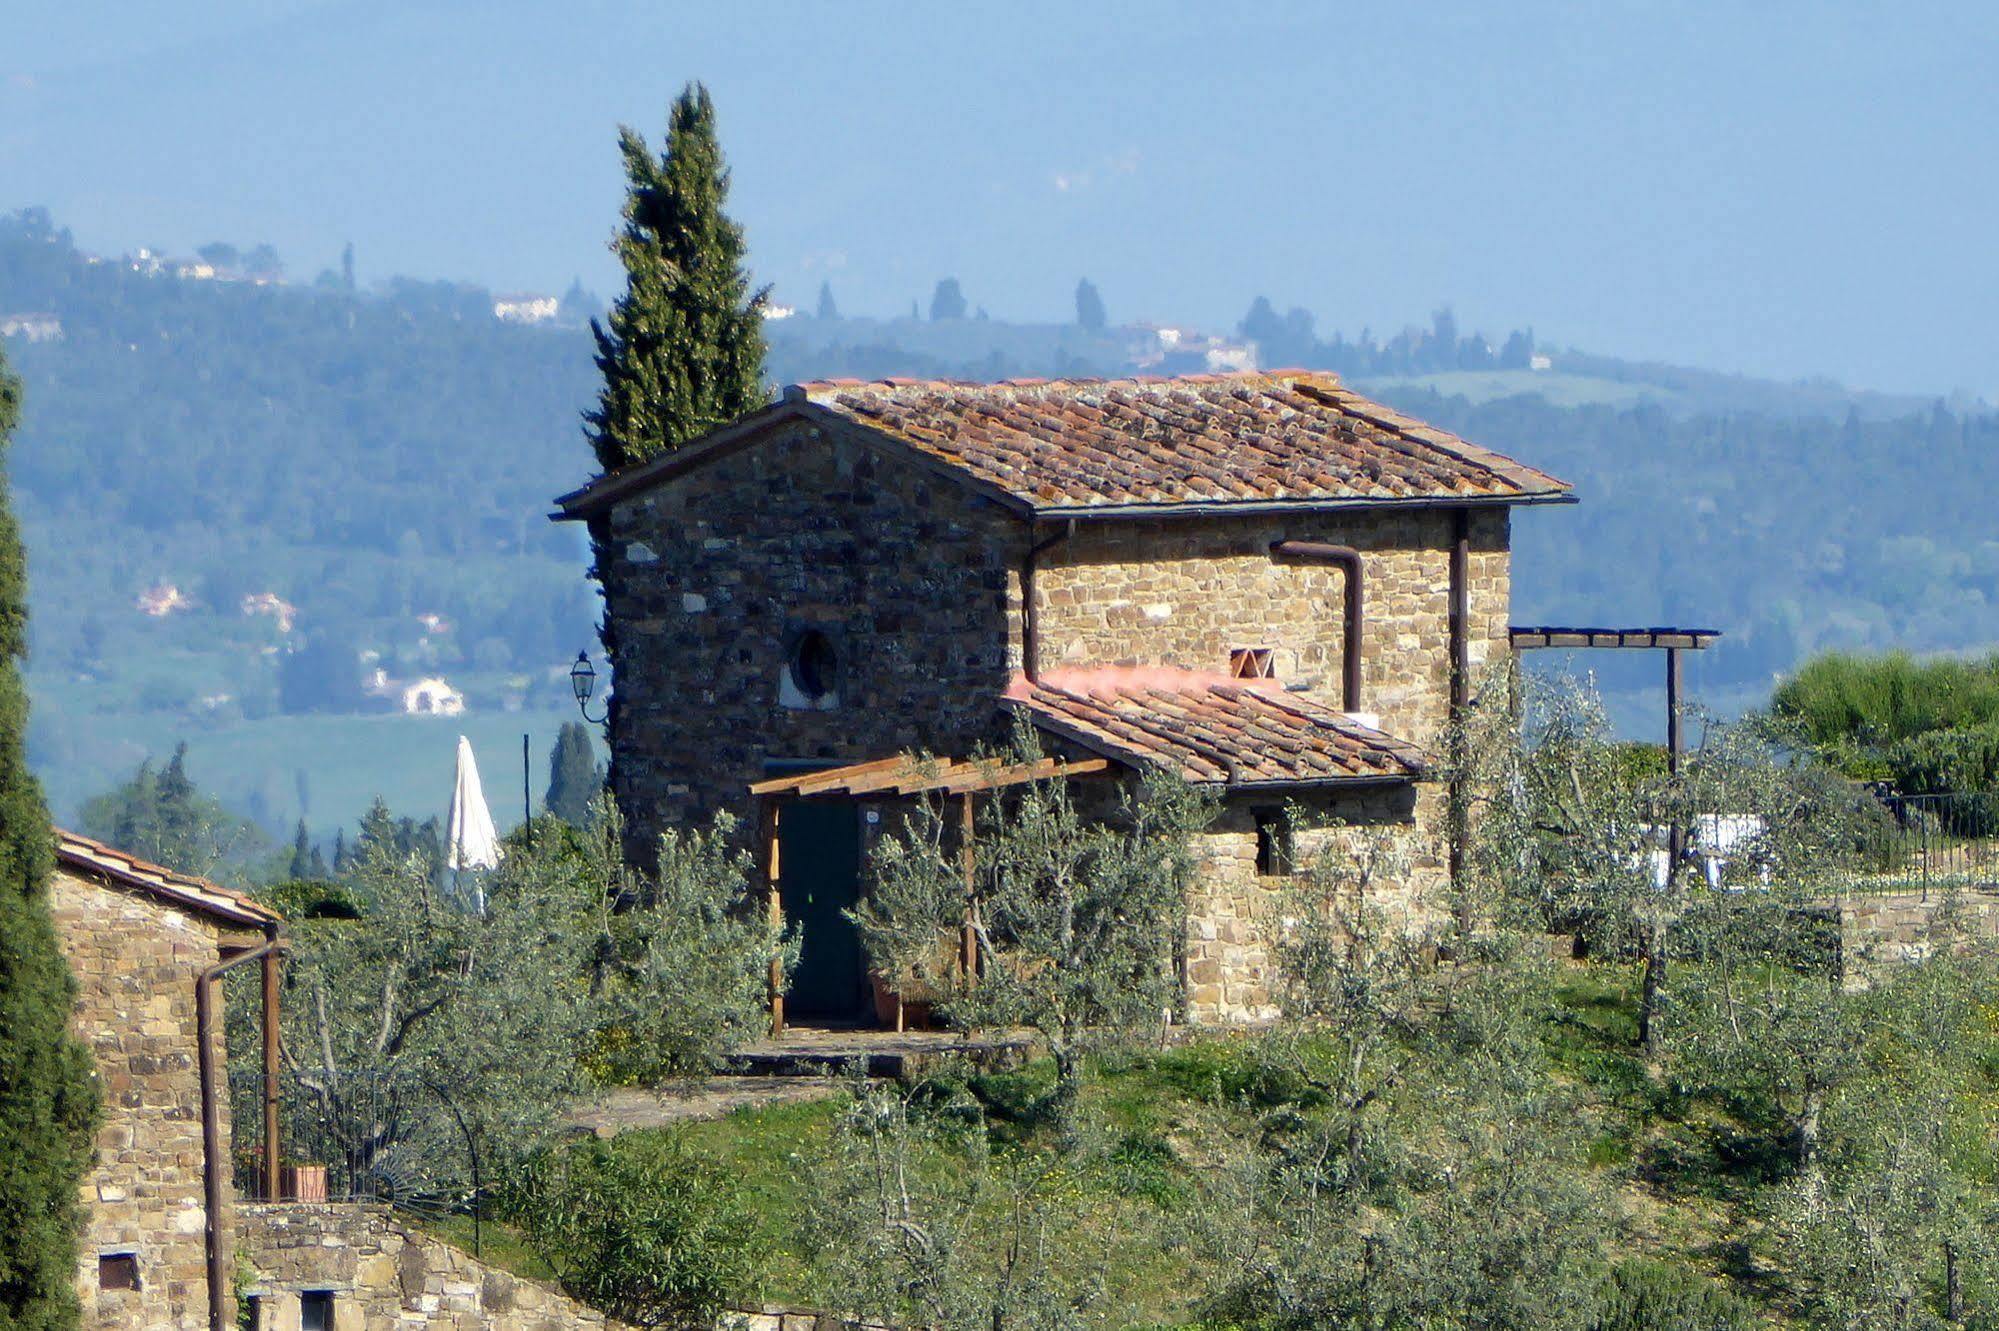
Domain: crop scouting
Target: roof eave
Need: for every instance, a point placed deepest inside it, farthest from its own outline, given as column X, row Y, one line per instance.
column 81, row 855
column 601, row 494
column 1234, row 507
column 587, row 501
column 1370, row 782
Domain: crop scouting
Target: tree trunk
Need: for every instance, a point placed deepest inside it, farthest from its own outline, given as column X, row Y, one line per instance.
column 1655, row 979
column 1808, row 1125
column 1062, row 1104
column 1953, row 1286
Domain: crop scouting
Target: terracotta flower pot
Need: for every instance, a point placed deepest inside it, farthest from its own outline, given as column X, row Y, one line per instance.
column 303, row 1183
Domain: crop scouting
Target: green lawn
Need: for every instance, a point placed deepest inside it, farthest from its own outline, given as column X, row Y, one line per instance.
column 407, row 760
column 1554, row 387
column 1692, row 1173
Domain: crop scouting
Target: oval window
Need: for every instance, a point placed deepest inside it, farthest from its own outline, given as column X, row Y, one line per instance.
column 814, row 665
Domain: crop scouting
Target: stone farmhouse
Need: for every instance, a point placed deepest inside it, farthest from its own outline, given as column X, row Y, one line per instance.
column 167, row 1241
column 1262, row 582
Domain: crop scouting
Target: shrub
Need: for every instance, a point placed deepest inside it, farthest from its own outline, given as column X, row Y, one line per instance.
column 640, row 1228
column 1846, row 699
column 1946, row 760
column 1652, row 1296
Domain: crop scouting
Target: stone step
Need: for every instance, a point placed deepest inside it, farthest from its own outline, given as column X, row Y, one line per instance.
column 827, row 1052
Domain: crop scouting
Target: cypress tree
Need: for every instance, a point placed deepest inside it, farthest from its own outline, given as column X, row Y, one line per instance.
column 684, row 349
column 573, row 775
column 1089, row 306
column 48, row 1096
column 302, row 852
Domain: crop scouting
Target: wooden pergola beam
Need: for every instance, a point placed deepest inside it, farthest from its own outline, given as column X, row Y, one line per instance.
column 908, row 775
column 1524, row 638
column 769, row 868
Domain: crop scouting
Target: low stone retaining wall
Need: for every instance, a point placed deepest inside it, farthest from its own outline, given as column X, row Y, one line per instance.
column 792, row 1319
column 383, row 1275
column 1890, row 929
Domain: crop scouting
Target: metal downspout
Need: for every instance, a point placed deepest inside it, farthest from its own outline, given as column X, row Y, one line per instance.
column 1347, row 560
column 1460, row 636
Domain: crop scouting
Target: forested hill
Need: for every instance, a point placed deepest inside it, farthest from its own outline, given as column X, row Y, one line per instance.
column 243, row 502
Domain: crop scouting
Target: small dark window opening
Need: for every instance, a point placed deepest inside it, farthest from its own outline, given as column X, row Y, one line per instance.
column 815, row 665
column 118, row 1270
column 315, row 1310
column 260, row 1313
column 1273, row 843
column 1251, row 663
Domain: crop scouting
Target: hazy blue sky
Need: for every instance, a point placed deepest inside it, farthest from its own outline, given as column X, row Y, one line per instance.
column 1774, row 187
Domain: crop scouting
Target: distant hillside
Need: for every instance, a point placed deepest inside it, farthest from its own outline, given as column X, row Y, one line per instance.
column 326, row 495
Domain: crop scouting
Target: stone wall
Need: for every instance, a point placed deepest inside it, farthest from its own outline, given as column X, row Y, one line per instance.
column 385, row 1275
column 1896, row 928
column 1236, row 913
column 708, row 582
column 136, row 960
column 916, row 581
column 1183, row 592
column 793, row 1319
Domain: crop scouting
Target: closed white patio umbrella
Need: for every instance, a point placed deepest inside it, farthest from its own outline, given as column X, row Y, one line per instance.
column 472, row 842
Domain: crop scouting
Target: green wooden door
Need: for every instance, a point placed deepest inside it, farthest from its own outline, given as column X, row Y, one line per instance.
column 819, row 878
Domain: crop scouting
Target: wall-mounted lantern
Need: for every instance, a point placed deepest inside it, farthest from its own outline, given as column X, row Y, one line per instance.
column 582, row 680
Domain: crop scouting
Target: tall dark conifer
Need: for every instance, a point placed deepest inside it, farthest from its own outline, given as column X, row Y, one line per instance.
column 574, row 778
column 48, row 1097
column 683, row 349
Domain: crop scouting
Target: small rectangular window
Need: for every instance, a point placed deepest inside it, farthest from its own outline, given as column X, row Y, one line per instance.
column 1273, row 843
column 1250, row 663
column 315, row 1310
column 118, row 1270
column 260, row 1312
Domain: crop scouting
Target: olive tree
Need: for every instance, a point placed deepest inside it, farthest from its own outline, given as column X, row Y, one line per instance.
column 1463, row 1205
column 921, row 1222
column 1076, row 912
column 431, row 1040
column 426, row 1043
column 1891, row 1221
column 683, row 972
column 1617, row 851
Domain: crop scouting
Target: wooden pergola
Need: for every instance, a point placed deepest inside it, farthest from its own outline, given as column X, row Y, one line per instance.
column 1671, row 641
column 905, row 776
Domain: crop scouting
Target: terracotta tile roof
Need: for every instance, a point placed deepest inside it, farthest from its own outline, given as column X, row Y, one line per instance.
column 1211, row 729
column 82, row 855
column 1277, row 437
column 1073, row 446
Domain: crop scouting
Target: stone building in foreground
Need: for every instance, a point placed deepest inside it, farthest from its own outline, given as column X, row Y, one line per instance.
column 140, row 939
column 1262, row 582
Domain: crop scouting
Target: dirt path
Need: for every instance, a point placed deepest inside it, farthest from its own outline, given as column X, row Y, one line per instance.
column 629, row 1107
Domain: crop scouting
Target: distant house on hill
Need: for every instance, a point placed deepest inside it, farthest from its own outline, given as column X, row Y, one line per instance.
column 282, row 612
column 162, row 599
column 432, row 697
column 31, row 327
column 1262, row 584
column 1166, row 349
column 524, row 308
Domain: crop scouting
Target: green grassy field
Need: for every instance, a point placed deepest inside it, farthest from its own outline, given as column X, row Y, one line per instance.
column 1554, row 387
column 254, row 766
column 1691, row 1177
